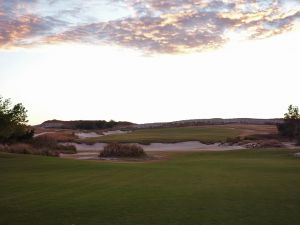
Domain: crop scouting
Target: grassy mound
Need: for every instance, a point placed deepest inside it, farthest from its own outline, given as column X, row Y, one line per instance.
column 122, row 150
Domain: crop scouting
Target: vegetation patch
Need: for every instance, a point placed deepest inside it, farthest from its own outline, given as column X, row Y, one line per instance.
column 84, row 124
column 60, row 136
column 207, row 135
column 290, row 128
column 13, row 121
column 17, row 137
column 41, row 145
column 122, row 150
column 257, row 141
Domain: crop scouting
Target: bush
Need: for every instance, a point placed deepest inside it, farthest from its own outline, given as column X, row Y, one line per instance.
column 22, row 148
column 44, row 141
column 291, row 125
column 298, row 140
column 233, row 140
column 65, row 136
column 41, row 145
column 289, row 128
column 49, row 143
column 122, row 150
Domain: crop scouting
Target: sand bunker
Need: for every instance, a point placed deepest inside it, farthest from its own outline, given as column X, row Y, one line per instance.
column 91, row 152
column 83, row 135
column 170, row 147
column 115, row 132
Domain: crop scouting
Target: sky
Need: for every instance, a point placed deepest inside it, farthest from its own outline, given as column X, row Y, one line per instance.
column 150, row 60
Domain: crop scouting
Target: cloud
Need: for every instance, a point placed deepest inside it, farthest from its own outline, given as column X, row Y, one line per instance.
column 168, row 33
column 25, row 30
column 154, row 26
column 19, row 27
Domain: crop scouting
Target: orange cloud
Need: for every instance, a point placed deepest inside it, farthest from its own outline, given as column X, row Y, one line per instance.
column 159, row 26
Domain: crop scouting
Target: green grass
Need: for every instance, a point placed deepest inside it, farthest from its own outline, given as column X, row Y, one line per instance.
column 220, row 188
column 170, row 135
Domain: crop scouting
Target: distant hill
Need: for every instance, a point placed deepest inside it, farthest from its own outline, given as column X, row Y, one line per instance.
column 84, row 124
column 102, row 124
column 214, row 121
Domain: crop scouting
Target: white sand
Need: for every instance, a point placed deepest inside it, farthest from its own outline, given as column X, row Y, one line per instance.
column 115, row 132
column 168, row 147
column 91, row 152
column 83, row 135
column 48, row 132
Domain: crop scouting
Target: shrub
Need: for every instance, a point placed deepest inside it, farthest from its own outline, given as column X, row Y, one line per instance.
column 22, row 148
column 290, row 128
column 298, row 140
column 291, row 125
column 122, row 150
column 41, row 145
column 65, row 136
column 49, row 143
column 44, row 141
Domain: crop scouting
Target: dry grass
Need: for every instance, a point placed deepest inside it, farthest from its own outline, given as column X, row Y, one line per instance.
column 22, row 148
column 41, row 145
column 61, row 136
column 122, row 150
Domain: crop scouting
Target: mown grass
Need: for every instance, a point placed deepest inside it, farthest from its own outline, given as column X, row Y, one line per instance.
column 220, row 188
column 170, row 135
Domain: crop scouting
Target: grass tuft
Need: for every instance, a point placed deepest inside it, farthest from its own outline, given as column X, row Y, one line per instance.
column 122, row 150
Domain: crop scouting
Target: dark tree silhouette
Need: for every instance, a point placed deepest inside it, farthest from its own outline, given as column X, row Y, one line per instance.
column 291, row 125
column 13, row 121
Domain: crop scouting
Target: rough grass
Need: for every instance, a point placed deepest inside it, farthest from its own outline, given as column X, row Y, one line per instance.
column 122, row 150
column 220, row 188
column 170, row 135
column 41, row 145
column 61, row 136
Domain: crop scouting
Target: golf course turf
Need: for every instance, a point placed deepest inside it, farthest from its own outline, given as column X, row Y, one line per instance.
column 203, row 134
column 234, row 188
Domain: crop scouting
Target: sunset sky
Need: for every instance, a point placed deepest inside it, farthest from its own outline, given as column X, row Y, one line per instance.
column 150, row 60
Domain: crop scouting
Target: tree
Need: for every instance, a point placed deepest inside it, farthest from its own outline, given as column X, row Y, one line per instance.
column 13, row 121
column 291, row 125
column 292, row 114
